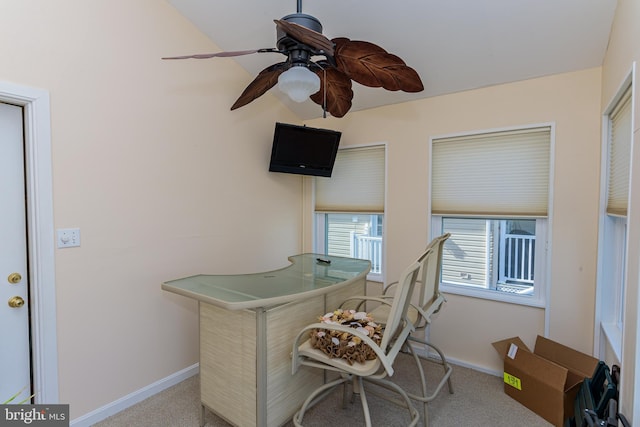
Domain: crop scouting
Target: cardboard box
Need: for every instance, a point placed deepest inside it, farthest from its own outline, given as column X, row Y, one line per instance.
column 546, row 380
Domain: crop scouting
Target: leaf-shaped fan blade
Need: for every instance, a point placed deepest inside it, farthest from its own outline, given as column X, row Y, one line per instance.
column 371, row 65
column 304, row 35
column 264, row 81
column 338, row 90
column 221, row 54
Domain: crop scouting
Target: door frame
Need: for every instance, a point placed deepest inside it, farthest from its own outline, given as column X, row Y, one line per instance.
column 40, row 236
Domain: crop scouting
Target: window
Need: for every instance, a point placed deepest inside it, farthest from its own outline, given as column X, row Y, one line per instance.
column 491, row 191
column 349, row 207
column 613, row 237
column 486, row 254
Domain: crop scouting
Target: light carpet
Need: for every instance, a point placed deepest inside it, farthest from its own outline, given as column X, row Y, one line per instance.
column 478, row 400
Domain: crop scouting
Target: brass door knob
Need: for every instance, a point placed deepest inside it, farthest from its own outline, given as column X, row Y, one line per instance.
column 14, row 278
column 16, row 302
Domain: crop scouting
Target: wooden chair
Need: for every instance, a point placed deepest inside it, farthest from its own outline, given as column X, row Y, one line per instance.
column 396, row 332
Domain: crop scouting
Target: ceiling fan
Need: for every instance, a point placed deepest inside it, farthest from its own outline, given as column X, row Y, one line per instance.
column 322, row 69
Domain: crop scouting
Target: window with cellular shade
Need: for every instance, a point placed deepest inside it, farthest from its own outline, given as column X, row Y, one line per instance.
column 619, row 156
column 502, row 174
column 357, row 183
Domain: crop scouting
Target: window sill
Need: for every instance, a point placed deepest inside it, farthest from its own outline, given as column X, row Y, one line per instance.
column 530, row 301
column 613, row 335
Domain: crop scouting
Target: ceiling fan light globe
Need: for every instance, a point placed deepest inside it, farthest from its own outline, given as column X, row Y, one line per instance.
column 298, row 82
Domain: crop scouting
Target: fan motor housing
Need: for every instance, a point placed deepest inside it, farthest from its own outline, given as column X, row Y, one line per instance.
column 311, row 22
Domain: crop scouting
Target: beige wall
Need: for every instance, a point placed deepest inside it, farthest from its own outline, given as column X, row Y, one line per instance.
column 164, row 181
column 467, row 326
column 161, row 178
column 624, row 49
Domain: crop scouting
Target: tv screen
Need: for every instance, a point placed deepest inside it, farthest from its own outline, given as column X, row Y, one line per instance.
column 304, row 150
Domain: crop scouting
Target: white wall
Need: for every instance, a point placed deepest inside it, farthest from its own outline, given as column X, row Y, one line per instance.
column 161, row 178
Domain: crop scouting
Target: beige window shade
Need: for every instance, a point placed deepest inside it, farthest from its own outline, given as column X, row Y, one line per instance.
column 619, row 156
column 493, row 174
column 356, row 184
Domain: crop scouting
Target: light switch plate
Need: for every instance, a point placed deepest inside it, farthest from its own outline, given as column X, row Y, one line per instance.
column 68, row 237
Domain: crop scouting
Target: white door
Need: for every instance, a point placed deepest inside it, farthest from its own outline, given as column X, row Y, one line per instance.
column 15, row 357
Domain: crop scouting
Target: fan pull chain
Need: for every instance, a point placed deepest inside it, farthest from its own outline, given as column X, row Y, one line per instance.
column 324, row 94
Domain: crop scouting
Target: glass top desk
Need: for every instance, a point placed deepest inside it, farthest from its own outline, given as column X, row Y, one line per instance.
column 247, row 324
column 305, row 277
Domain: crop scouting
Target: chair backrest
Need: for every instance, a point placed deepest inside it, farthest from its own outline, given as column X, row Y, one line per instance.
column 429, row 283
column 396, row 321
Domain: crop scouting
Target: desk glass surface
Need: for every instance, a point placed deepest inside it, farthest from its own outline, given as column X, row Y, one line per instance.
column 306, row 276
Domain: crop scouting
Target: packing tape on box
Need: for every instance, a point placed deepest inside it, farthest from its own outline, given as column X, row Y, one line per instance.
column 513, row 350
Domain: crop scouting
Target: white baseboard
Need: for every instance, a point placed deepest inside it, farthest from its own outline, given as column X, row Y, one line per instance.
column 476, row 367
column 433, row 355
column 131, row 399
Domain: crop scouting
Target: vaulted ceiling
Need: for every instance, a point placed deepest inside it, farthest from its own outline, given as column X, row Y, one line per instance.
column 454, row 45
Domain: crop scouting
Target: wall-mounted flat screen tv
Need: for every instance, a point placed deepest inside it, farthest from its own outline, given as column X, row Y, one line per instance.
column 304, row 150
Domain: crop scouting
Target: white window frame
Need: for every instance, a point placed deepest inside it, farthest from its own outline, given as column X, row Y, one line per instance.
column 319, row 228
column 611, row 280
column 537, row 299
column 320, row 241
column 542, row 273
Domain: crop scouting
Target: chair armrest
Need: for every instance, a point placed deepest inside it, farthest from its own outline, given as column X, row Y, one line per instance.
column 392, row 285
column 386, row 300
column 389, row 287
column 433, row 308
